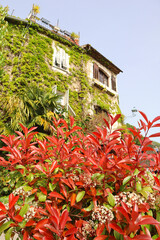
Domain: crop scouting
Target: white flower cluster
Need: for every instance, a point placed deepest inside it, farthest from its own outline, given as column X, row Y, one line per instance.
column 129, row 199
column 30, row 213
column 148, row 177
column 20, row 191
column 88, row 182
column 88, row 229
column 74, row 177
column 102, row 214
column 152, row 200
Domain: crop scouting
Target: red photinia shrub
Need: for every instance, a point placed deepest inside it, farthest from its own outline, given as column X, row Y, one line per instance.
column 71, row 186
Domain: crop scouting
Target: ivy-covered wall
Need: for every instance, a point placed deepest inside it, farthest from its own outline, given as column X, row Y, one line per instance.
column 28, row 57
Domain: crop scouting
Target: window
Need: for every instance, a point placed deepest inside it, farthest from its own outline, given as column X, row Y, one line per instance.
column 100, row 75
column 64, row 99
column 113, row 81
column 61, row 58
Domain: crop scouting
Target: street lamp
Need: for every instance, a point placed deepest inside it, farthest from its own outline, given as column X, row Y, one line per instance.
column 134, row 111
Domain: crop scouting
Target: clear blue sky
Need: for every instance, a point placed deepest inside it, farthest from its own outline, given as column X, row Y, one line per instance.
column 124, row 31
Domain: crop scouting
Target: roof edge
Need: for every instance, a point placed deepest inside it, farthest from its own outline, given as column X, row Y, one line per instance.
column 101, row 59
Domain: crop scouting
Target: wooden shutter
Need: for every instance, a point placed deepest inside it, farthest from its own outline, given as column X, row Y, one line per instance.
column 58, row 57
column 95, row 71
column 113, row 80
column 64, row 59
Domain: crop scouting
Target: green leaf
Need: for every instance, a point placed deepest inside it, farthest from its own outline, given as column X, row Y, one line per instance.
column 90, row 207
column 80, row 195
column 136, row 172
column 138, row 186
column 158, row 216
column 144, row 193
column 155, row 236
column 52, row 186
column 30, row 198
column 5, row 226
column 107, row 205
column 23, row 223
column 42, row 197
column 8, row 233
column 150, row 213
column 118, row 236
column 99, row 193
column 132, row 235
column 30, row 177
column 27, row 188
column 111, row 199
column 95, row 175
column 24, row 210
column 100, row 178
column 150, row 174
column 148, row 189
column 20, row 167
column 68, row 208
column 126, row 179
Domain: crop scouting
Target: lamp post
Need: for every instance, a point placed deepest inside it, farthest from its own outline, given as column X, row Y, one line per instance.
column 134, row 111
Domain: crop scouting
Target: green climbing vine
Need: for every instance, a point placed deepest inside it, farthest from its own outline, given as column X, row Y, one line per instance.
column 29, row 59
column 3, row 30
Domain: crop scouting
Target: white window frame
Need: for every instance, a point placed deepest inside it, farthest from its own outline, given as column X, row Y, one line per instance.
column 60, row 59
column 64, row 100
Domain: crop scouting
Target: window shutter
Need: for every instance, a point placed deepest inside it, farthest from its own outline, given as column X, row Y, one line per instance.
column 113, row 80
column 95, row 71
column 64, row 60
column 58, row 58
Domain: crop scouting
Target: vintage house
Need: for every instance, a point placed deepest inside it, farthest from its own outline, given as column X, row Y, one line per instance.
column 37, row 51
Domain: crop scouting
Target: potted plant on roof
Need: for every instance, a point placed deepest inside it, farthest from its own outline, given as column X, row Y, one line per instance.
column 75, row 37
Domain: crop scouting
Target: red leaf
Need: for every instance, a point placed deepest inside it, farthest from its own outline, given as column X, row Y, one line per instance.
column 156, row 125
column 41, row 223
column 71, row 121
column 71, row 231
column 100, row 229
column 53, row 166
column 103, row 237
column 157, row 181
column 135, row 212
column 40, row 169
column 2, row 206
column 12, row 200
column 25, row 235
column 156, row 188
column 43, row 190
column 93, row 139
column 123, row 211
column 52, row 229
column 156, row 119
column 155, row 135
column 30, row 223
column 144, row 116
column 18, row 218
column 73, row 199
column 115, row 119
column 53, row 212
column 116, row 228
column 148, row 220
column 56, row 195
column 142, row 237
column 64, row 218
column 106, row 122
column 25, row 130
